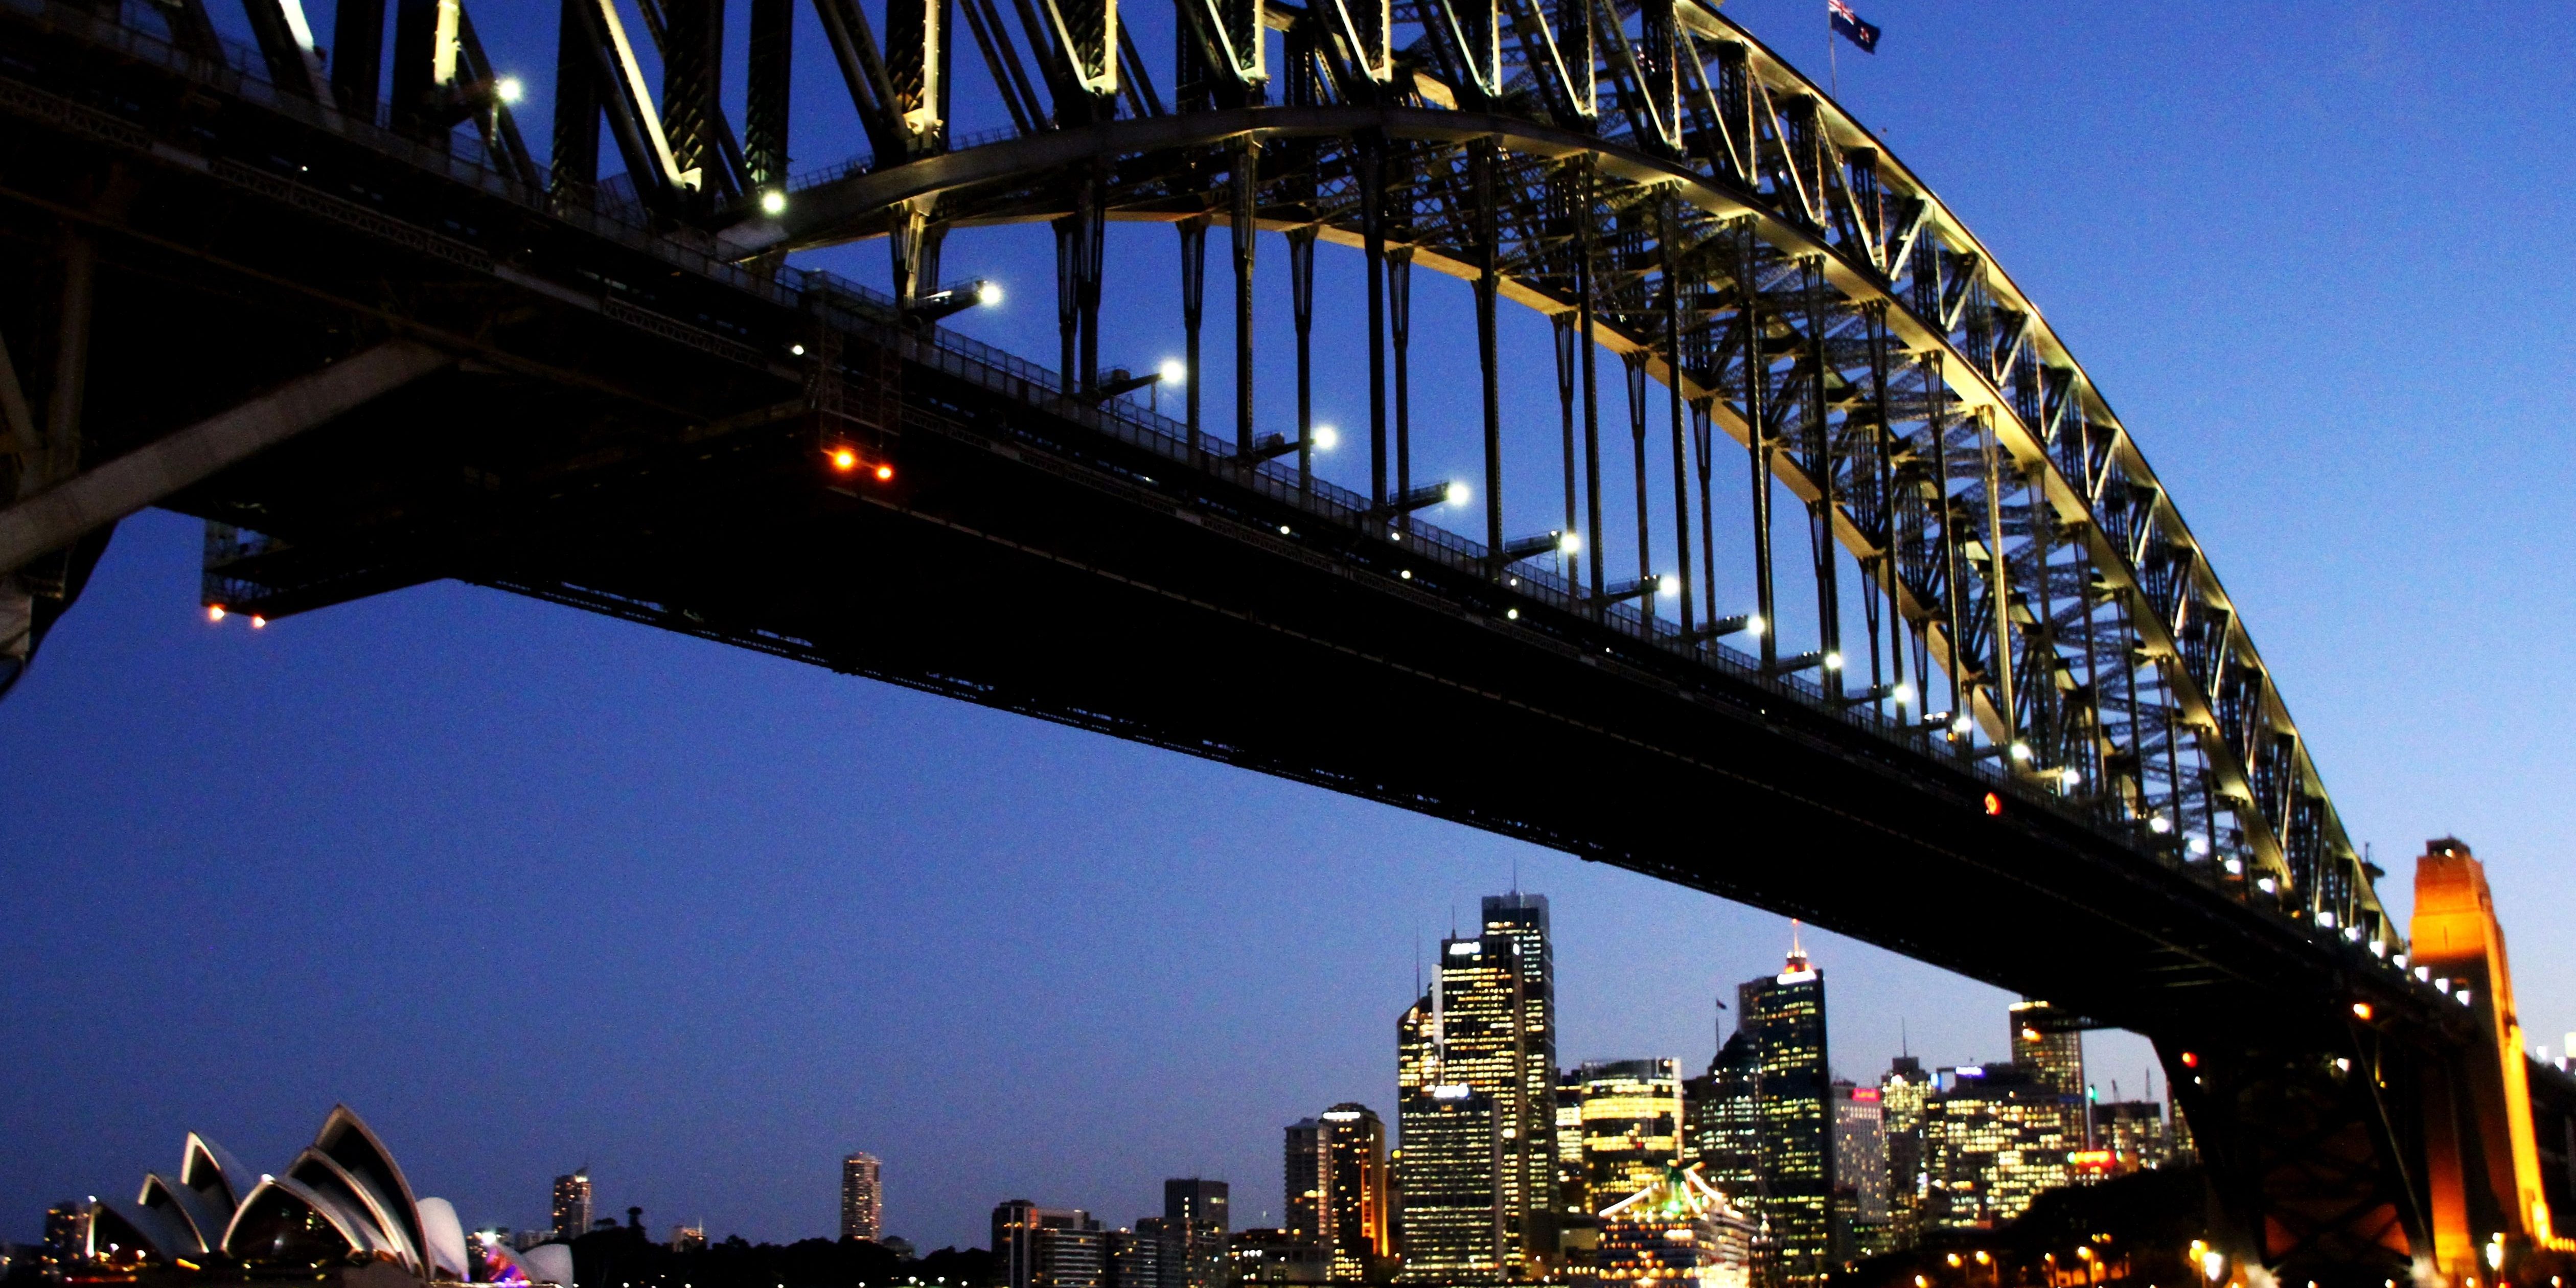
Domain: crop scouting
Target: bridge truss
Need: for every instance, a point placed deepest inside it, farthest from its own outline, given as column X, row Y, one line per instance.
column 1995, row 596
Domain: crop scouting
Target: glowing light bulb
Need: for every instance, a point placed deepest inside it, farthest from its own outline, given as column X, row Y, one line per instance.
column 1325, row 437
column 773, row 202
column 214, row 612
column 1903, row 692
column 2159, row 825
column 1173, row 371
column 885, row 473
column 510, row 89
column 988, row 294
column 1833, row 661
column 845, row 460
column 1570, row 542
column 1457, row 494
column 1754, row 625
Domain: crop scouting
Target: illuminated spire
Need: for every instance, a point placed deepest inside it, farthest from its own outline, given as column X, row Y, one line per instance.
column 1797, row 952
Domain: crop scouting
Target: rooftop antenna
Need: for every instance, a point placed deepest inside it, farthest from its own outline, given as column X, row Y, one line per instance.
column 1516, row 872
column 1904, row 1045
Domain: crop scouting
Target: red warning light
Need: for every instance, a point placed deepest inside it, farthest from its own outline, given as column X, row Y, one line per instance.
column 1994, row 805
column 2191, row 1059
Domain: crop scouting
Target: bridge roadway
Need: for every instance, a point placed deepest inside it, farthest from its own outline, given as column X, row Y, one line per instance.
column 614, row 417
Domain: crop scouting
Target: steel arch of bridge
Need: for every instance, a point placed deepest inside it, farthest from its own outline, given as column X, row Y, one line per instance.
column 2123, row 658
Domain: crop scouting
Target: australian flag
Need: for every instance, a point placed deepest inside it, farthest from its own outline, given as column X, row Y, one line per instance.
column 1851, row 27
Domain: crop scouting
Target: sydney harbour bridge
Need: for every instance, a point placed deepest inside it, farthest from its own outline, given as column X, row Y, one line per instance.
column 1987, row 702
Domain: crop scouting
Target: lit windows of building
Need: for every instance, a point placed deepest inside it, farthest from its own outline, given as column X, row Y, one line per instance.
column 1677, row 1230
column 1631, row 1115
column 1902, row 1094
column 1571, row 1192
column 2045, row 1040
column 1273, row 1257
column 1193, row 1225
column 1784, row 1014
column 1488, row 1024
column 1992, row 1141
column 862, row 1198
column 572, row 1205
column 1452, row 1187
column 1135, row 1258
column 1356, row 1233
column 2132, row 1132
column 1861, row 1217
column 1049, row 1247
column 1302, row 1177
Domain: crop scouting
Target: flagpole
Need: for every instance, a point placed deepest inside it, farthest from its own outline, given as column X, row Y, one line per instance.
column 1833, row 67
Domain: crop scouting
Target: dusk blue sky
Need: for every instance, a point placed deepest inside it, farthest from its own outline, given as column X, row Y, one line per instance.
column 532, row 889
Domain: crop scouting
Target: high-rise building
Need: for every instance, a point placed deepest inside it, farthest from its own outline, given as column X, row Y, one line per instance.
column 1049, row 1247
column 1189, row 1198
column 1356, row 1231
column 862, row 1198
column 2044, row 1040
column 1722, row 1122
column 572, row 1205
column 1993, row 1140
column 67, row 1232
column 1136, row 1258
column 1861, row 1219
column 1302, row 1178
column 2132, row 1132
column 1572, row 1196
column 688, row 1238
column 1902, row 1093
column 1785, row 1016
column 1453, row 1187
column 1488, row 1024
column 1272, row 1257
column 1631, row 1112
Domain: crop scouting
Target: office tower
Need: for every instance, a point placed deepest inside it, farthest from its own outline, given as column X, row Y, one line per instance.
column 1454, row 1231
column 1785, row 1016
column 2044, row 1039
column 1860, row 1172
column 1356, row 1228
column 1302, row 1178
column 1049, row 1247
column 1677, row 1230
column 1488, row 1023
column 1188, row 1198
column 2132, row 1132
column 1631, row 1113
column 1992, row 1141
column 1137, row 1258
column 1722, row 1129
column 67, row 1232
column 1272, row 1257
column 862, row 1201
column 1572, row 1196
column 572, row 1205
column 1901, row 1097
column 688, row 1238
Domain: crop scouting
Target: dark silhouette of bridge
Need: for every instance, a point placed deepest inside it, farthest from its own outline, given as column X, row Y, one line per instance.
column 1987, row 704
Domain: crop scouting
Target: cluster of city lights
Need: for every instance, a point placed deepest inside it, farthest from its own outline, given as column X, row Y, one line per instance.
column 217, row 613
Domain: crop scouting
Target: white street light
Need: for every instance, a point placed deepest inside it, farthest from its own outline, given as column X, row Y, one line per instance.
column 1457, row 494
column 1174, row 370
column 988, row 294
column 510, row 89
column 773, row 203
column 1325, row 437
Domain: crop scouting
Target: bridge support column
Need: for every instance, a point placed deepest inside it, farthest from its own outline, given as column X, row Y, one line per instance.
column 1193, row 312
column 1565, row 354
column 1480, row 162
column 1245, row 183
column 1585, row 228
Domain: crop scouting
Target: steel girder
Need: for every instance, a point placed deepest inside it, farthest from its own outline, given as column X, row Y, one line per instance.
column 1919, row 398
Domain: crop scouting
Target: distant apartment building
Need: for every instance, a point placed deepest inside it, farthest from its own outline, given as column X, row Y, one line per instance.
column 862, row 1198
column 1049, row 1247
column 572, row 1205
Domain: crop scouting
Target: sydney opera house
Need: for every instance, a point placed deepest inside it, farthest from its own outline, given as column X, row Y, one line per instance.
column 341, row 1211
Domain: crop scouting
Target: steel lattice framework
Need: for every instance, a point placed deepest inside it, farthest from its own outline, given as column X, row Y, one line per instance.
column 2018, row 689
column 1654, row 178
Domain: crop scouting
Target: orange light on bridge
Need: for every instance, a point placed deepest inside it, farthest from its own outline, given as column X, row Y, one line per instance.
column 214, row 612
column 885, row 474
column 1994, row 805
column 2191, row 1059
column 257, row 622
column 844, row 460
column 2361, row 1010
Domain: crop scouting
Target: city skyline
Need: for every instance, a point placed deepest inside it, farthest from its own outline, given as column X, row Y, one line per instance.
column 452, row 714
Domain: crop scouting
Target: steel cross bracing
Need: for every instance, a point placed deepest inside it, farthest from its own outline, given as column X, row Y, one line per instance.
column 1904, row 391
column 1648, row 172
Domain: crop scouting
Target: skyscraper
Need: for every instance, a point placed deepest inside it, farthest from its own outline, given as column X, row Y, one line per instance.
column 1453, row 1182
column 1631, row 1113
column 1860, row 1172
column 1302, row 1178
column 1356, row 1227
column 1488, row 1024
column 1188, row 1198
column 1722, row 1128
column 1902, row 1094
column 1572, row 1195
column 862, row 1201
column 1193, row 1227
column 2053, row 1049
column 1992, row 1142
column 572, row 1205
column 1785, row 1016
column 1049, row 1247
